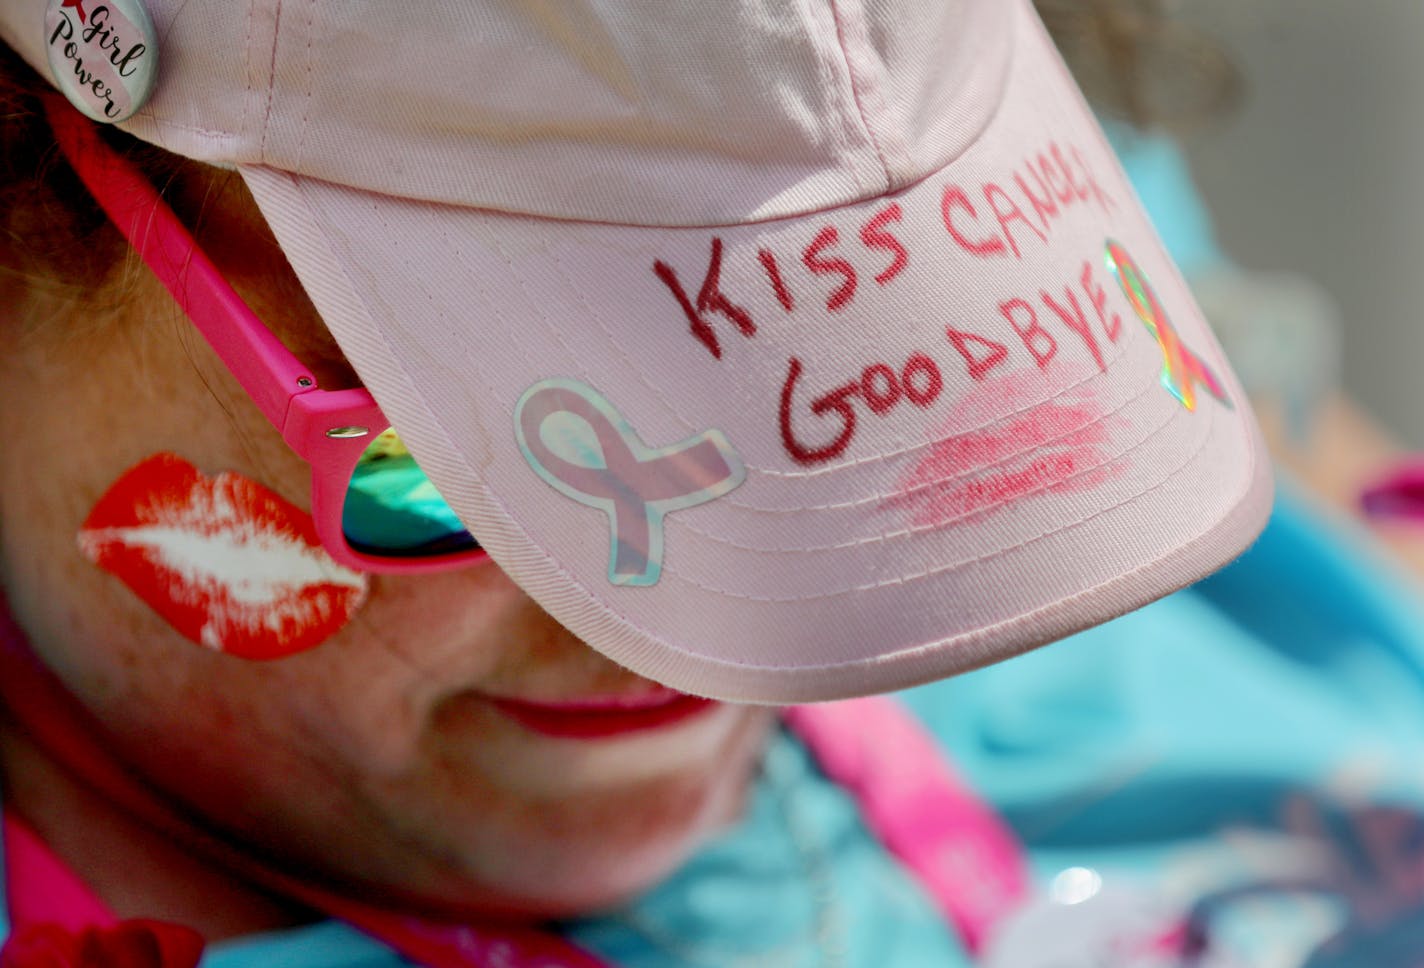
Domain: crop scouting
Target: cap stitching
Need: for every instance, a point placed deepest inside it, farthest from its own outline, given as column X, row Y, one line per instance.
column 955, row 566
column 974, row 635
column 640, row 372
column 307, row 94
column 830, row 79
column 865, row 198
column 857, row 95
column 247, row 69
column 196, row 129
column 859, row 502
column 271, row 75
column 529, row 300
column 415, row 274
column 937, row 525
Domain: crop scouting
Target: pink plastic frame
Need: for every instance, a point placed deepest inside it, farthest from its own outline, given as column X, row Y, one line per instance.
column 315, row 423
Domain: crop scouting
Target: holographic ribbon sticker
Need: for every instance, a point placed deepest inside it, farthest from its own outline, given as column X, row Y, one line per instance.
column 583, row 447
column 1182, row 369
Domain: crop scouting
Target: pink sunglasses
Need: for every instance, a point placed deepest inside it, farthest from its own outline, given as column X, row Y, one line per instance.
column 374, row 509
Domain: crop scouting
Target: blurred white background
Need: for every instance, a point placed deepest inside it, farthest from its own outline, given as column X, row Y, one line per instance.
column 1320, row 170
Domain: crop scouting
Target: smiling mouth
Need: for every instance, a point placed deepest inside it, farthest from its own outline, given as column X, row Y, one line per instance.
column 604, row 717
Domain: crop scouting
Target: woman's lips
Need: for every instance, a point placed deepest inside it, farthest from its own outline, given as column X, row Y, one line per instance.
column 227, row 562
column 602, row 717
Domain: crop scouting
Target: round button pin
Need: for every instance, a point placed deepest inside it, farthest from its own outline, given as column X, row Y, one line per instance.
column 103, row 55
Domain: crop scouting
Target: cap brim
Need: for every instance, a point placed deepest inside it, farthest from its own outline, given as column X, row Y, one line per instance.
column 968, row 452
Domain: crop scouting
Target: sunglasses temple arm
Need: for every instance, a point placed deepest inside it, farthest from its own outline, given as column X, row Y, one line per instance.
column 267, row 370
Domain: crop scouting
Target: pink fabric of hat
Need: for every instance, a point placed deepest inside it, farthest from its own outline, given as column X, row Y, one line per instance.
column 782, row 351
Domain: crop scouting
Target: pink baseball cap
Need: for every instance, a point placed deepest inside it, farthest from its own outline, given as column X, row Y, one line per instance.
column 782, row 352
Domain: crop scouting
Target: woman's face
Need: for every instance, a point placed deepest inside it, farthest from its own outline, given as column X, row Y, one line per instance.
column 376, row 758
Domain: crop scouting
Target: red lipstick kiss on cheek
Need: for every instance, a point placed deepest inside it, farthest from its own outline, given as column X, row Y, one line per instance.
column 224, row 560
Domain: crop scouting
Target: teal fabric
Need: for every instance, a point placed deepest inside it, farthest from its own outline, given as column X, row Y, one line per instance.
column 327, row 945
column 798, row 876
column 1256, row 735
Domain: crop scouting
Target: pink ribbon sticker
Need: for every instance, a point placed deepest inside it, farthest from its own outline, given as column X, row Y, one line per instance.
column 583, row 447
column 1182, row 370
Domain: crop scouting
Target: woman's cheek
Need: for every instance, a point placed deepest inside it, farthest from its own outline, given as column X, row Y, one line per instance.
column 224, row 560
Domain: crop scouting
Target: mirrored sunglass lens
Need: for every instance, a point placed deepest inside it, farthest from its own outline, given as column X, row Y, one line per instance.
column 392, row 509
